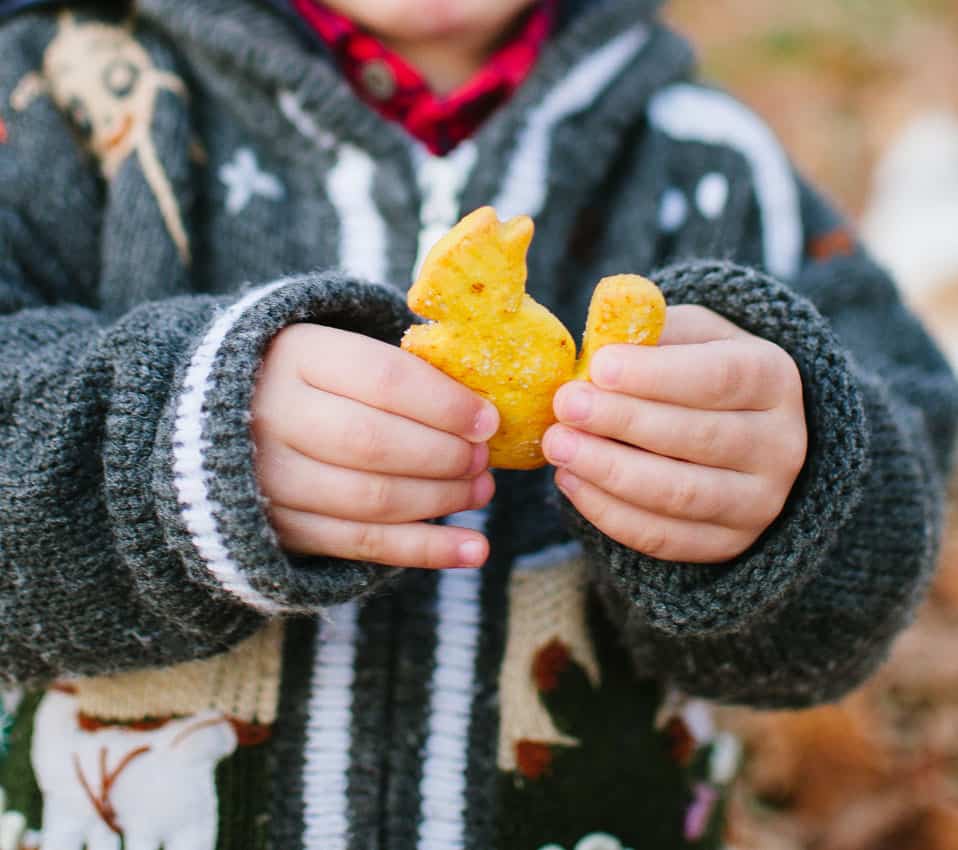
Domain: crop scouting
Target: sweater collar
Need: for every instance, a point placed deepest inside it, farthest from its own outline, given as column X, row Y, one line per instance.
column 398, row 90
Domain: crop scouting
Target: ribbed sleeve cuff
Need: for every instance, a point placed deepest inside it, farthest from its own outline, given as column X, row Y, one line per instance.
column 692, row 599
column 213, row 511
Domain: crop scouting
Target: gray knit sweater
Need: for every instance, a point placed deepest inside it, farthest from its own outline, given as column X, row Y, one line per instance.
column 176, row 189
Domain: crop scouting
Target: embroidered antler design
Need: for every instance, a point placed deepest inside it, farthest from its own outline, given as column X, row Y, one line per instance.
column 101, row 801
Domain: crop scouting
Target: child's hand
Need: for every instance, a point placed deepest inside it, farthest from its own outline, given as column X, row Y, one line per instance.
column 357, row 442
column 687, row 451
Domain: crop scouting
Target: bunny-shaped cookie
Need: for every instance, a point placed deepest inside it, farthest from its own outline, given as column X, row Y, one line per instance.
column 489, row 334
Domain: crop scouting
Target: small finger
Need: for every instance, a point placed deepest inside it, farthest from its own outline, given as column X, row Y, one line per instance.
column 407, row 545
column 722, row 439
column 295, row 481
column 658, row 484
column 744, row 373
column 343, row 432
column 664, row 538
column 390, row 379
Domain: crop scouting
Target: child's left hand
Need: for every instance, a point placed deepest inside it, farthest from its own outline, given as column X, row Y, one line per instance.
column 686, row 451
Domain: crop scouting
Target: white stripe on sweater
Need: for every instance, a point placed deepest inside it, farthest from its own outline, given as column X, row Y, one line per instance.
column 691, row 113
column 329, row 732
column 441, row 181
column 525, row 184
column 362, row 251
column 363, row 238
column 191, row 479
column 442, row 788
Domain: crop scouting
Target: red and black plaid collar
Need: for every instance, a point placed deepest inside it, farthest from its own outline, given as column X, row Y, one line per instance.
column 399, row 92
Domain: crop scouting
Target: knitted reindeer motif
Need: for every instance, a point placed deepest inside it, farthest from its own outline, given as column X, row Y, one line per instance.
column 547, row 631
column 152, row 788
column 107, row 84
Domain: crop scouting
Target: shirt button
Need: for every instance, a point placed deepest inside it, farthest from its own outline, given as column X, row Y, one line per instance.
column 378, row 79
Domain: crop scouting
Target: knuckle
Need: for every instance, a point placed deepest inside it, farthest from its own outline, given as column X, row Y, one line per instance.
column 387, row 376
column 709, row 436
column 435, row 549
column 654, row 541
column 625, row 422
column 367, row 542
column 611, row 474
column 379, row 498
column 653, row 381
column 363, row 442
column 730, row 379
column 682, row 496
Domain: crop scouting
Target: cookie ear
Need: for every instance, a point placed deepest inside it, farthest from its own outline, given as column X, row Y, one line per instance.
column 478, row 268
column 625, row 308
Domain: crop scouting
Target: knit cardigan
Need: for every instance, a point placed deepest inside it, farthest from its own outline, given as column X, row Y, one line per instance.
column 178, row 186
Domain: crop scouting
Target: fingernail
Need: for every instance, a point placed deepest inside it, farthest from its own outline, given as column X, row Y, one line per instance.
column 567, row 482
column 560, row 445
column 486, row 424
column 576, row 405
column 606, row 369
column 471, row 554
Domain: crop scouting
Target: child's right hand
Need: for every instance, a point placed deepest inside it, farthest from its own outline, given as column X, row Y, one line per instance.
column 357, row 442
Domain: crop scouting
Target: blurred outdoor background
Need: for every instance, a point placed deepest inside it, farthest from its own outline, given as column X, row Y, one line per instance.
column 865, row 95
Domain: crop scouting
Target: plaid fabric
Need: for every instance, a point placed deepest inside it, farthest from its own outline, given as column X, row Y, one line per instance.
column 400, row 93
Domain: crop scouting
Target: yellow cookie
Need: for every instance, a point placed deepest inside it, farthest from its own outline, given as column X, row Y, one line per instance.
column 489, row 334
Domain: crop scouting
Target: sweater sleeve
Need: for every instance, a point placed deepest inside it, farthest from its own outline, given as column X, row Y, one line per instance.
column 812, row 607
column 132, row 529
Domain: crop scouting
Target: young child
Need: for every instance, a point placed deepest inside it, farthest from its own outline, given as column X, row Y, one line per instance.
column 227, row 621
